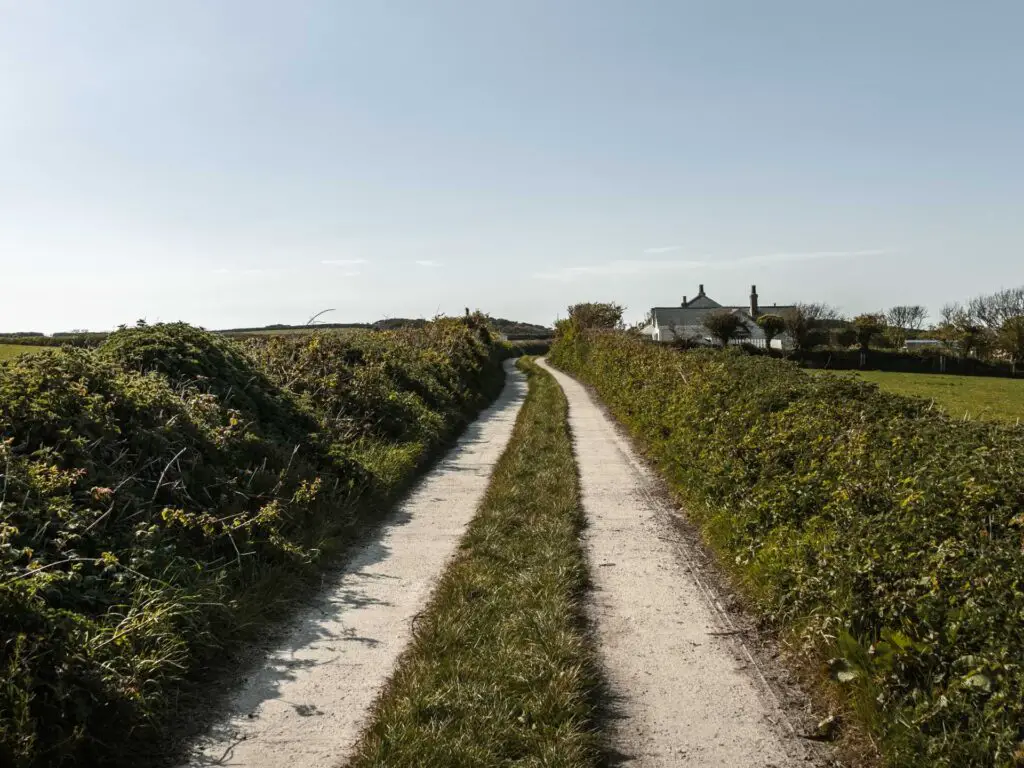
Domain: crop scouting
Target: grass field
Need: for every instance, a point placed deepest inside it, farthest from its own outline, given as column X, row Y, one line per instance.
column 8, row 351
column 500, row 671
column 979, row 397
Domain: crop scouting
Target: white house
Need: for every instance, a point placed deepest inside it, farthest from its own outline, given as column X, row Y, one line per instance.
column 687, row 320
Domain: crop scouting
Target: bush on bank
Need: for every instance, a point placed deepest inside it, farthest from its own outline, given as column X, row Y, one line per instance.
column 884, row 538
column 161, row 495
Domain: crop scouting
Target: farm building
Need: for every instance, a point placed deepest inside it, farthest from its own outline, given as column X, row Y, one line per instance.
column 687, row 320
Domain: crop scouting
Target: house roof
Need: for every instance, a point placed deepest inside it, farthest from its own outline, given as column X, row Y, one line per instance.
column 694, row 316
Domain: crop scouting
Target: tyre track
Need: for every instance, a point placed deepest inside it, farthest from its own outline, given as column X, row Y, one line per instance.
column 305, row 706
column 686, row 691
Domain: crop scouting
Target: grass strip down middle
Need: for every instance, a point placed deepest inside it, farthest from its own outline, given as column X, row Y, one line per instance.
column 500, row 669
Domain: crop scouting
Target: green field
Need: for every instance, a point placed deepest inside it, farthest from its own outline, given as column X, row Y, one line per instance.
column 8, row 351
column 977, row 397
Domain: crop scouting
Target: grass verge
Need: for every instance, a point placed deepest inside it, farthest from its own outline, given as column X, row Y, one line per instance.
column 500, row 670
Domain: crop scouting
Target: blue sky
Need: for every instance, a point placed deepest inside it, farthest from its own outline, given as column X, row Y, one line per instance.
column 245, row 162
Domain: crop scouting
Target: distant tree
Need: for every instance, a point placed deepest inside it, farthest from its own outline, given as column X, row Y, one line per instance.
column 964, row 331
column 806, row 323
column 771, row 326
column 597, row 315
column 868, row 326
column 995, row 309
column 903, row 318
column 846, row 337
column 1010, row 339
column 724, row 326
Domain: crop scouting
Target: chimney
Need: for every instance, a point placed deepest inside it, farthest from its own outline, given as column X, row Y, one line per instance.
column 684, row 302
column 754, row 309
column 701, row 291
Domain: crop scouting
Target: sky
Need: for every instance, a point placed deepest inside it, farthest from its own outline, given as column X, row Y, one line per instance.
column 245, row 162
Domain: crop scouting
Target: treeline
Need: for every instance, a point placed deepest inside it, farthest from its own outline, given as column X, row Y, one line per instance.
column 989, row 327
column 884, row 541
column 166, row 494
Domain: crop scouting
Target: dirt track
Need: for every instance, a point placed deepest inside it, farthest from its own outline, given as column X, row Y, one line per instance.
column 305, row 706
column 685, row 691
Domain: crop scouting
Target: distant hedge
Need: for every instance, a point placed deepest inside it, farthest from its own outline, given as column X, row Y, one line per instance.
column 884, row 539
column 164, row 495
column 57, row 340
column 924, row 360
column 522, row 347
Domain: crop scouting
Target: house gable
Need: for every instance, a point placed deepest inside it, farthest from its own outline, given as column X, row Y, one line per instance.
column 703, row 302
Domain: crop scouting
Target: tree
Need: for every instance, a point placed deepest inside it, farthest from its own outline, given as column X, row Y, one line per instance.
column 995, row 309
column 771, row 326
column 868, row 326
column 1010, row 339
column 903, row 318
column 908, row 316
column 846, row 337
column 597, row 315
column 724, row 326
column 805, row 324
column 962, row 328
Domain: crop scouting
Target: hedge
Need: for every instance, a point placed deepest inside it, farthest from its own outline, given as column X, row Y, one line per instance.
column 881, row 538
column 167, row 494
column 86, row 340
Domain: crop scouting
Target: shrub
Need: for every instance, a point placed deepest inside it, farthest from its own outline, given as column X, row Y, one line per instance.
column 879, row 535
column 164, row 491
column 867, row 327
column 724, row 326
column 771, row 325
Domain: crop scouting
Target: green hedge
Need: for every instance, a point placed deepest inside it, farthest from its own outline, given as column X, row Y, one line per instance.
column 884, row 539
column 57, row 340
column 535, row 347
column 166, row 494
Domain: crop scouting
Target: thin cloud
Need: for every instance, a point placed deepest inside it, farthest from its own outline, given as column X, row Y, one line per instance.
column 249, row 271
column 772, row 258
column 428, row 263
column 663, row 249
column 621, row 268
column 343, row 262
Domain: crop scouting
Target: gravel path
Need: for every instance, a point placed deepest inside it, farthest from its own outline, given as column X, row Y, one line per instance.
column 685, row 691
column 306, row 705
